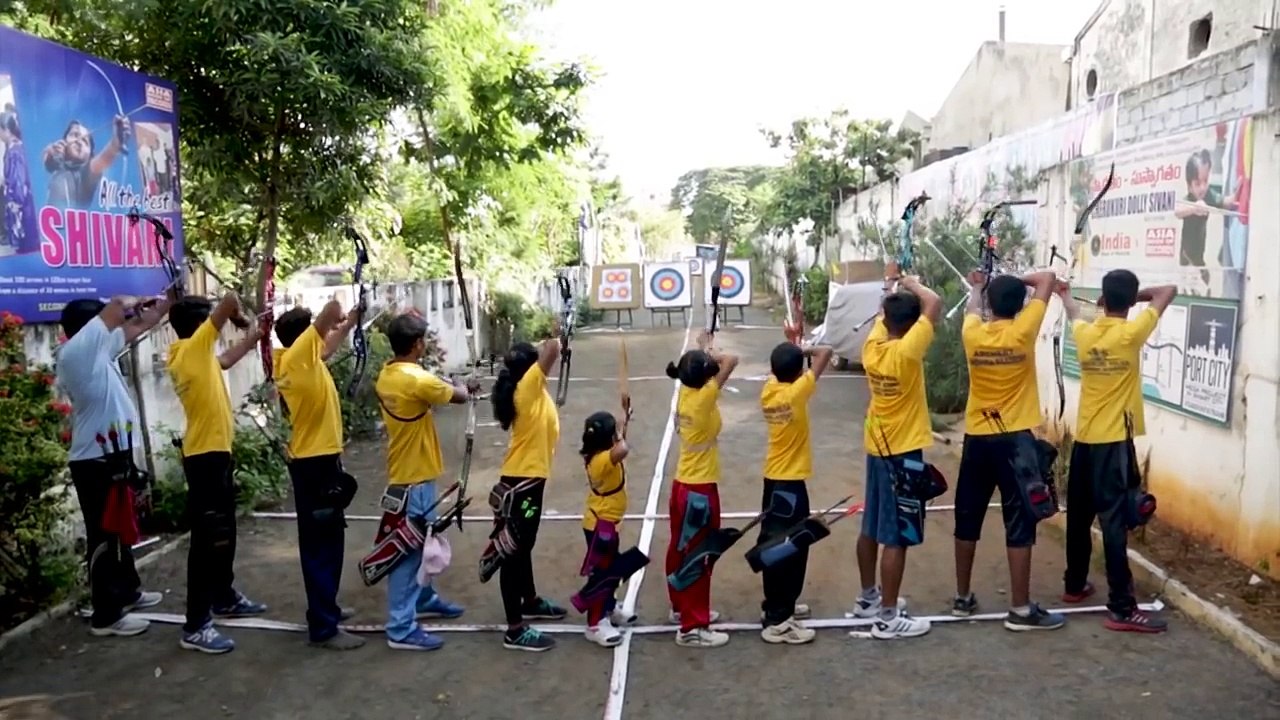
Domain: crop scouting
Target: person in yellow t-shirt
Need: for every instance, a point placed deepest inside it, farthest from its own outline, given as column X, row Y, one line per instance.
column 895, row 435
column 604, row 448
column 1003, row 407
column 1104, row 470
column 196, row 370
column 523, row 406
column 407, row 394
column 321, row 488
column 788, row 462
column 695, row 498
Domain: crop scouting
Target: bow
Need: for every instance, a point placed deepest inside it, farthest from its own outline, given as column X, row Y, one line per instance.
column 268, row 319
column 1060, row 325
column 906, row 250
column 124, row 146
column 163, row 240
column 464, row 474
column 715, row 282
column 567, row 313
column 359, row 344
column 624, row 387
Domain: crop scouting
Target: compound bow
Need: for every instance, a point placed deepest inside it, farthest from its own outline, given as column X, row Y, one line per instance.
column 906, row 250
column 566, row 333
column 1060, row 325
column 359, row 344
column 464, row 473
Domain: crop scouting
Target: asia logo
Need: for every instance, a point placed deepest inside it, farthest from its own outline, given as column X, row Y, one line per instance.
column 160, row 98
column 1161, row 241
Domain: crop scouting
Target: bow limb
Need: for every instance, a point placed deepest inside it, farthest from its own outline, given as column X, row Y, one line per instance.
column 124, row 145
column 359, row 344
column 624, row 382
column 268, row 320
column 566, row 334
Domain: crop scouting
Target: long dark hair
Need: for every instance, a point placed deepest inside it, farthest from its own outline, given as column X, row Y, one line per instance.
column 695, row 368
column 517, row 362
column 598, row 433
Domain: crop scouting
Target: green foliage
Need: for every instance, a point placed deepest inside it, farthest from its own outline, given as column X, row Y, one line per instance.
column 662, row 232
column 720, row 202
column 37, row 565
column 512, row 320
column 816, row 297
column 361, row 414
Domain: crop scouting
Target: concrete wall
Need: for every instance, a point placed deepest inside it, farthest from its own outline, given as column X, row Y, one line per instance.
column 1006, row 88
column 1218, row 482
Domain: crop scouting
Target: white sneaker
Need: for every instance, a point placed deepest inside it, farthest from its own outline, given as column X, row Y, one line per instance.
column 865, row 608
column 701, row 638
column 145, row 600
column 604, row 634
column 674, row 617
column 126, row 626
column 802, row 613
column 789, row 632
column 621, row 619
column 899, row 625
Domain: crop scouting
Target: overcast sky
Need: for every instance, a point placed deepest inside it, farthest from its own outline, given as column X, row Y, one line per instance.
column 687, row 84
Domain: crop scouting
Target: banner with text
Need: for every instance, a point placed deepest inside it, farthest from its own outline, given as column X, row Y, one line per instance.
column 83, row 142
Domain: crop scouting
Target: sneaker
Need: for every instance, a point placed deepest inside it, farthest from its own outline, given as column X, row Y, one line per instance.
column 1135, row 621
column 604, row 634
column 438, row 607
column 207, row 640
column 145, row 600
column 701, row 638
column 342, row 640
column 674, row 617
column 417, row 639
column 527, row 639
column 802, row 612
column 788, row 632
column 1036, row 619
column 243, row 607
column 898, row 624
column 870, row 607
column 345, row 614
column 543, row 609
column 964, row 606
column 1078, row 597
column 621, row 619
column 124, row 627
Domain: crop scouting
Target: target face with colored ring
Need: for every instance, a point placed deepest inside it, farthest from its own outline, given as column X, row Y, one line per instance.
column 615, row 287
column 731, row 283
column 667, row 285
column 735, row 283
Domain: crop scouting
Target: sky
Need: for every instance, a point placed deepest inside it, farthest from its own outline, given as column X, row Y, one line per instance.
column 688, row 84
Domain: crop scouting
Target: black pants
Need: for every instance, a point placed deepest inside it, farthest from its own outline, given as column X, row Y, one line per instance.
column 211, row 515
column 321, row 541
column 986, row 464
column 1100, row 478
column 785, row 502
column 515, row 577
column 113, row 579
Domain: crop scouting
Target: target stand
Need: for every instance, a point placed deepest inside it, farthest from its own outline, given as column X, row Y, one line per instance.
column 668, row 312
column 723, row 312
column 617, row 317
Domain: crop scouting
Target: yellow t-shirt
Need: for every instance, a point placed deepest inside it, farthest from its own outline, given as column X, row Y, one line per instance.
column 413, row 448
column 698, row 423
column 536, row 429
column 197, row 380
column 607, row 496
column 786, row 412
column 308, row 390
column 1002, row 371
column 1110, row 352
column 899, row 411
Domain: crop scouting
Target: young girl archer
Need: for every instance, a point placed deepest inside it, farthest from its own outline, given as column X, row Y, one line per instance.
column 604, row 447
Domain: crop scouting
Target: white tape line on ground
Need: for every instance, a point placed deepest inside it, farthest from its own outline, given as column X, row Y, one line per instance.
column 816, row 624
column 622, row 653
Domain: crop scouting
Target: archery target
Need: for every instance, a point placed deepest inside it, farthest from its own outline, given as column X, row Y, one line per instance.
column 735, row 283
column 667, row 285
column 615, row 287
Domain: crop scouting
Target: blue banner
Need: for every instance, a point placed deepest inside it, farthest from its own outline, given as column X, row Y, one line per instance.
column 83, row 142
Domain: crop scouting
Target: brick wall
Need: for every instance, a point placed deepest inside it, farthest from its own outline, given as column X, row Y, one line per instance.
column 1224, row 86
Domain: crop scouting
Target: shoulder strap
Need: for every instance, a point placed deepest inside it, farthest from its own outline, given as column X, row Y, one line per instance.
column 394, row 416
column 614, row 491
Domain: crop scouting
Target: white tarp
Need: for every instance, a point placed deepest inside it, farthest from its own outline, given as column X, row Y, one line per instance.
column 847, row 307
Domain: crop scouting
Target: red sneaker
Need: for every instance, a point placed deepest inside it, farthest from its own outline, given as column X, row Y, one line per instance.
column 1085, row 593
column 1135, row 621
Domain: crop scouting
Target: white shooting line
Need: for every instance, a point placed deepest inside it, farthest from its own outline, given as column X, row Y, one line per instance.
column 622, row 653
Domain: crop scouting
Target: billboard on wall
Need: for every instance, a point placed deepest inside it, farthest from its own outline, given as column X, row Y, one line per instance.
column 83, row 141
column 1178, row 213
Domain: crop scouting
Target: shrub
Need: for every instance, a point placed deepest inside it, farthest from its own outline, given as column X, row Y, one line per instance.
column 513, row 320
column 37, row 562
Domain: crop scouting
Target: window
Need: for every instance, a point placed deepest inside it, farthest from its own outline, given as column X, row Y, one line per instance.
column 1091, row 84
column 1198, row 36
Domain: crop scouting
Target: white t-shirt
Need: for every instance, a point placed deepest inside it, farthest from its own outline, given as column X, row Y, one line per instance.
column 90, row 376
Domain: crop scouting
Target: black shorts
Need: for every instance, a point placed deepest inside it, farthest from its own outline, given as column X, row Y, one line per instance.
column 986, row 463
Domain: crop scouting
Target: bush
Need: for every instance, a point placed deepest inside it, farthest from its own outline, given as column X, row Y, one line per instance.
column 512, row 320
column 815, row 298
column 37, row 562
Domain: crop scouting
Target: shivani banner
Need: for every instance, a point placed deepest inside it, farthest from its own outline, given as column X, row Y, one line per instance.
column 83, row 142
column 1178, row 213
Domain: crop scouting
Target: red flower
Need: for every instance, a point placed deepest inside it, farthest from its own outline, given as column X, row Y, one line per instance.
column 65, row 436
column 47, row 378
column 61, row 408
column 4, row 392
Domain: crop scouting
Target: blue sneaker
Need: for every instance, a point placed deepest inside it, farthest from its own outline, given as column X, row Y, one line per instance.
column 241, row 608
column 207, row 640
column 438, row 607
column 418, row 639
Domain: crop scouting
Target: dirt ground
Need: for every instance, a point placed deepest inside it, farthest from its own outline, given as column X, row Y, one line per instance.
column 963, row 670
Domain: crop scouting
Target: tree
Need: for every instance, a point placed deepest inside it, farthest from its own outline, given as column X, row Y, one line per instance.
column 828, row 160
column 722, row 202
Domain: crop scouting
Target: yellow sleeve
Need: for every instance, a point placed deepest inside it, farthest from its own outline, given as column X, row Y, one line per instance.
column 310, row 344
column 432, row 390
column 1027, row 324
column 878, row 330
column 206, row 336
column 804, row 388
column 916, row 342
column 1141, row 327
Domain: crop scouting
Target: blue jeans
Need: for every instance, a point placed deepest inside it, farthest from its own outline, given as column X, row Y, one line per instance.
column 403, row 590
column 880, row 515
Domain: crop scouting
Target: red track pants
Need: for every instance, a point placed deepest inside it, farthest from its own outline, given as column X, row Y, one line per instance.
column 694, row 602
